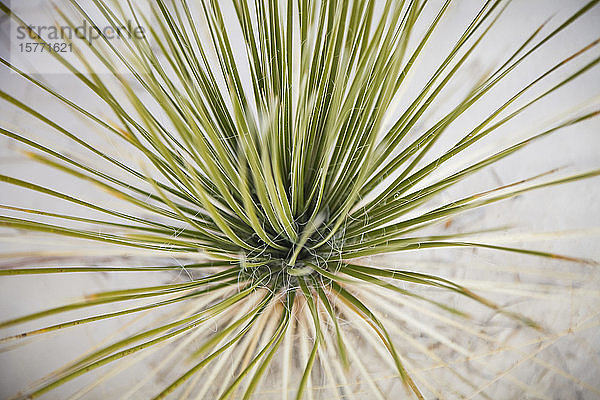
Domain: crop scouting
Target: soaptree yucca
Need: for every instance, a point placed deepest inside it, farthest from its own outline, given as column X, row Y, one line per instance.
column 261, row 157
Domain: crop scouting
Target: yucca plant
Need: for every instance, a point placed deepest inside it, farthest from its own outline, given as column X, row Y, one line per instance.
column 259, row 159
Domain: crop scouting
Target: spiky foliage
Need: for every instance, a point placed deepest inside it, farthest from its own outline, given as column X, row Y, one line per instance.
column 284, row 163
